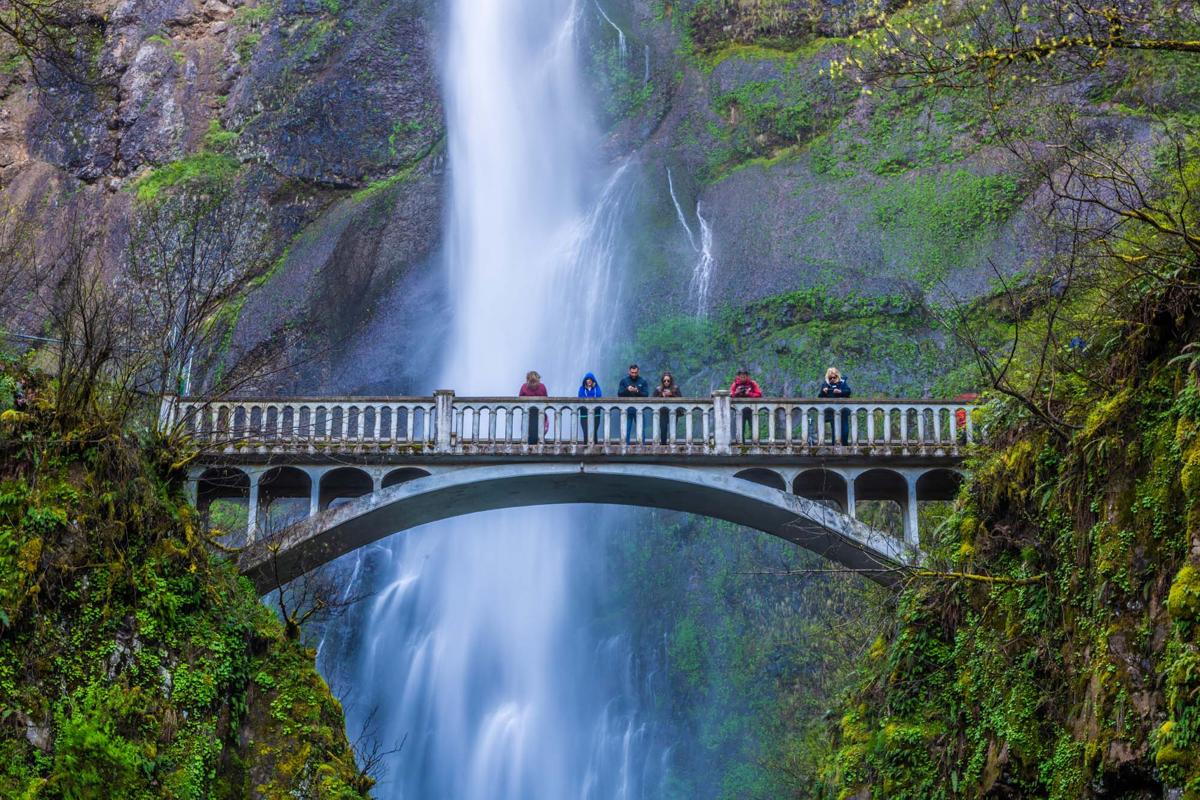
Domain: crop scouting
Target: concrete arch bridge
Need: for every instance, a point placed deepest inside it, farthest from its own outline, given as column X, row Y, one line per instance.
column 352, row 470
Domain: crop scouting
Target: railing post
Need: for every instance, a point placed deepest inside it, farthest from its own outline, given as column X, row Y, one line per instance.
column 722, row 421
column 443, row 400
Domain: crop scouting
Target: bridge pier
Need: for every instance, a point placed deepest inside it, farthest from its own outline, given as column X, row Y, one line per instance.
column 252, row 510
column 911, row 533
column 314, row 491
column 851, row 511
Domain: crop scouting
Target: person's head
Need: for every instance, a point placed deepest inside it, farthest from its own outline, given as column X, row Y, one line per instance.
column 832, row 375
column 633, row 370
column 667, row 379
column 743, row 375
column 532, row 377
column 589, row 381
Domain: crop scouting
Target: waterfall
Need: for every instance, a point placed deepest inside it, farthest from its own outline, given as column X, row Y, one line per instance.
column 622, row 46
column 481, row 648
column 702, row 270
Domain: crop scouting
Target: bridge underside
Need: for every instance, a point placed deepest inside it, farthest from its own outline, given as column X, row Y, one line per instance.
column 325, row 536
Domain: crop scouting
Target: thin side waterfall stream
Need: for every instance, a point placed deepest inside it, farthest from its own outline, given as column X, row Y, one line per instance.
column 480, row 647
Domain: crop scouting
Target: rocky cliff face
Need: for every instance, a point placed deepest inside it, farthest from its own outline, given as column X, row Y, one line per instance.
column 333, row 114
column 331, row 111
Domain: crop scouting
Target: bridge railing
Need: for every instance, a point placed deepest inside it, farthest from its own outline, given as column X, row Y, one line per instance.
column 448, row 424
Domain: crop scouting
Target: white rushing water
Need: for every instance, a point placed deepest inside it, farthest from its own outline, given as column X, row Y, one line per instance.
column 702, row 270
column 479, row 648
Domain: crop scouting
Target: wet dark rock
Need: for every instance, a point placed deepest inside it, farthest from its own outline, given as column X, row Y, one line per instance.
column 341, row 99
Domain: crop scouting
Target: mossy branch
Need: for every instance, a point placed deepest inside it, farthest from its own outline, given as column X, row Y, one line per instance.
column 998, row 580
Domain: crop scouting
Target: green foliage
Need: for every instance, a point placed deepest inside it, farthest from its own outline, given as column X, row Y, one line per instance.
column 1022, row 686
column 137, row 654
column 622, row 85
column 939, row 222
column 886, row 345
column 92, row 759
column 203, row 166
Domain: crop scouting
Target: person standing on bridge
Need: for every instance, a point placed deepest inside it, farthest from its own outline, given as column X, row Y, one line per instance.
column 533, row 387
column 667, row 387
column 633, row 385
column 745, row 388
column 590, row 387
column 835, row 387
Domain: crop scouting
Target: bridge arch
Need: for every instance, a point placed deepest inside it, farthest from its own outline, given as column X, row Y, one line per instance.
column 763, row 477
column 283, row 496
column 822, row 485
column 939, row 484
column 318, row 540
column 344, row 483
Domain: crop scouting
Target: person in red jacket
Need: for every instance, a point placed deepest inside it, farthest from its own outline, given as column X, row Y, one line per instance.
column 533, row 387
column 743, row 388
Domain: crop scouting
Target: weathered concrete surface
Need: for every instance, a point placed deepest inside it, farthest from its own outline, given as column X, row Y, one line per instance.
column 320, row 539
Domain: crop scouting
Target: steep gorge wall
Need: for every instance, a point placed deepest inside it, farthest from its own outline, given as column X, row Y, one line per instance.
column 330, row 113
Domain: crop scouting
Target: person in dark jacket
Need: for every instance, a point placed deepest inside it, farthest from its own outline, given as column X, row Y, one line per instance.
column 590, row 387
column 667, row 387
column 533, row 387
column 633, row 385
column 835, row 387
column 744, row 388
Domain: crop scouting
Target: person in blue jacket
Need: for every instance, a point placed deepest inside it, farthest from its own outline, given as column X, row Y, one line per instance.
column 590, row 387
column 835, row 387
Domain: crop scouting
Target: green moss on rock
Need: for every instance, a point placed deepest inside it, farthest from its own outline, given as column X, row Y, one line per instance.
column 132, row 660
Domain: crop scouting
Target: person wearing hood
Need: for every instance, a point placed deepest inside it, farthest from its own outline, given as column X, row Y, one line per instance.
column 533, row 387
column 667, row 387
column 590, row 387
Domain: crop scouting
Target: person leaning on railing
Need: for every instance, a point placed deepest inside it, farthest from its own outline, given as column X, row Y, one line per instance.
column 835, row 387
column 667, row 387
column 533, row 387
column 744, row 388
column 590, row 387
column 633, row 385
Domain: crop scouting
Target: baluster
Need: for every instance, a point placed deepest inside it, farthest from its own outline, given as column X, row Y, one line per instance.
column 870, row 425
column 853, row 426
column 937, row 424
column 920, row 424
column 904, row 424
column 970, row 428
column 952, row 420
